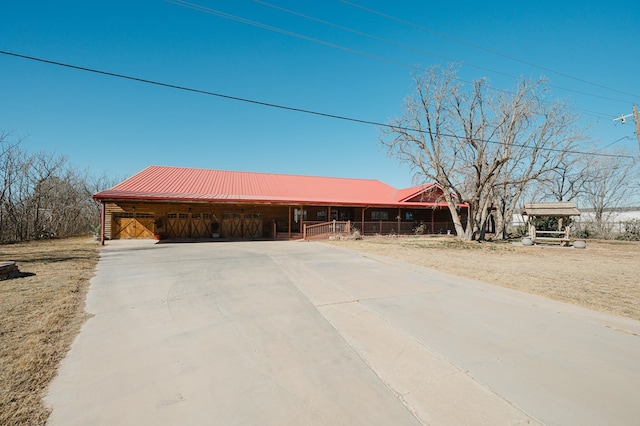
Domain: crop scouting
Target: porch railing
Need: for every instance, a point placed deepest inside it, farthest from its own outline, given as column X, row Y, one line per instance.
column 405, row 228
column 316, row 229
column 326, row 228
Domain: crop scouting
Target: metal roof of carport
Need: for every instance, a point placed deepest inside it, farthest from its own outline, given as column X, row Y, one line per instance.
column 553, row 209
column 163, row 183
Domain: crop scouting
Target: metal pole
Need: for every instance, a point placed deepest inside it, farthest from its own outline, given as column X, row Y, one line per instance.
column 102, row 222
column 637, row 121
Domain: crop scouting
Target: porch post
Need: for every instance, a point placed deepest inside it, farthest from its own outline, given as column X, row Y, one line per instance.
column 433, row 223
column 102, row 221
column 399, row 218
column 289, row 222
column 362, row 227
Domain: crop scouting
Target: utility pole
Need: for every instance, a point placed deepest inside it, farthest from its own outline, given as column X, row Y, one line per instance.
column 636, row 120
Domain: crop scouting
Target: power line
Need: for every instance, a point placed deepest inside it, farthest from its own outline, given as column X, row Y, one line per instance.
column 225, row 15
column 476, row 46
column 282, row 107
column 425, row 52
column 377, row 38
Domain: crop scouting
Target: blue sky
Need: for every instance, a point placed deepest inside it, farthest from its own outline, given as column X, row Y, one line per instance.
column 118, row 127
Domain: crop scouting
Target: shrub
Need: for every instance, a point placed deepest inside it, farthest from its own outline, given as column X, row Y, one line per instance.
column 419, row 229
column 519, row 231
column 355, row 234
column 586, row 232
column 631, row 230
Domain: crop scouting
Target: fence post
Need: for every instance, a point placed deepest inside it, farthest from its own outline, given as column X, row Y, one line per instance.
column 348, row 227
column 304, row 231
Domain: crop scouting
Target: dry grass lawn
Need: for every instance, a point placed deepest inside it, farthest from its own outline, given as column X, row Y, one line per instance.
column 39, row 317
column 604, row 276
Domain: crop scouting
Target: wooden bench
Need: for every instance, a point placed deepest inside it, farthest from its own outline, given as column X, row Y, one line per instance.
column 561, row 236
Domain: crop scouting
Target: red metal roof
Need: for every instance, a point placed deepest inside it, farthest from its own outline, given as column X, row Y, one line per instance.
column 409, row 193
column 162, row 183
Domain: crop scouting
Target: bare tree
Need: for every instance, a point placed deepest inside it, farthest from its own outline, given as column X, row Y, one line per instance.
column 43, row 175
column 41, row 195
column 14, row 166
column 566, row 181
column 478, row 145
column 609, row 182
column 545, row 144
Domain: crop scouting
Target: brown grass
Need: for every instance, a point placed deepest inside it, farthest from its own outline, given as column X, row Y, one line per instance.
column 604, row 276
column 39, row 317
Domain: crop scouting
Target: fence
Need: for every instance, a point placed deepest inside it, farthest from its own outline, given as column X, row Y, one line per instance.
column 607, row 229
column 317, row 229
column 405, row 228
column 325, row 228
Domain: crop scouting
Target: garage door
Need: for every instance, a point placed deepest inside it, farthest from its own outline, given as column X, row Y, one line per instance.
column 189, row 225
column 235, row 225
column 132, row 225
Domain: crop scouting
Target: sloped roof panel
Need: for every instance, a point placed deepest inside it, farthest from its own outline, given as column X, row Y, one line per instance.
column 422, row 193
column 187, row 184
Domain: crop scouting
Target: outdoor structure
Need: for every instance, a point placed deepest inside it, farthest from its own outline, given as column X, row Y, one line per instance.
column 173, row 202
column 9, row 270
column 561, row 210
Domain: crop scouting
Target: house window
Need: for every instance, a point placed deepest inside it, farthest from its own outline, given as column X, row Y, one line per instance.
column 334, row 215
column 379, row 215
column 344, row 215
column 297, row 215
column 321, row 215
column 408, row 216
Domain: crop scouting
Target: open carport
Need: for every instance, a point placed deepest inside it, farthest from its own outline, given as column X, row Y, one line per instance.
column 306, row 333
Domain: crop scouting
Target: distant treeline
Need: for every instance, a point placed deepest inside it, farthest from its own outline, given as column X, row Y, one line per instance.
column 43, row 196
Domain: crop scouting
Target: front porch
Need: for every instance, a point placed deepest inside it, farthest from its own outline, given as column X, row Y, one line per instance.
column 190, row 221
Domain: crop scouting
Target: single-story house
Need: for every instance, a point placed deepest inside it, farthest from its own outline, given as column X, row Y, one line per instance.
column 175, row 202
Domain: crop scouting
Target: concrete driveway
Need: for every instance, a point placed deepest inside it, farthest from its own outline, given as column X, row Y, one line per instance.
column 284, row 333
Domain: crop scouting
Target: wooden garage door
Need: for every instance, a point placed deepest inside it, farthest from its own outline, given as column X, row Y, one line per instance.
column 252, row 225
column 132, row 225
column 189, row 225
column 235, row 225
column 201, row 225
column 178, row 225
column 231, row 225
